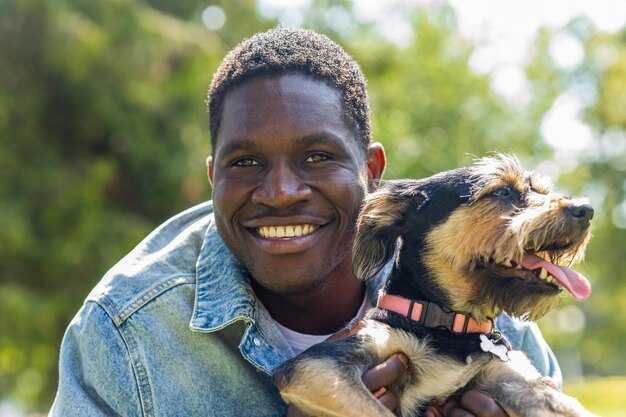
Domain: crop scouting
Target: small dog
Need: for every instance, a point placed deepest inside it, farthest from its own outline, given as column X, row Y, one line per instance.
column 467, row 244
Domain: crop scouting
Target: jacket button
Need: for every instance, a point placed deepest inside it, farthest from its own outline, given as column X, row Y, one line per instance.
column 257, row 343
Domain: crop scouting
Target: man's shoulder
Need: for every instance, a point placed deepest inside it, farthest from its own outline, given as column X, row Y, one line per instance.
column 527, row 337
column 518, row 332
column 165, row 259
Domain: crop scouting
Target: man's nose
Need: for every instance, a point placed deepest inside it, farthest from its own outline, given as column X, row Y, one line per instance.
column 281, row 187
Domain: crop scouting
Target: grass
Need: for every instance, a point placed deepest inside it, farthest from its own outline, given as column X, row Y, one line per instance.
column 605, row 397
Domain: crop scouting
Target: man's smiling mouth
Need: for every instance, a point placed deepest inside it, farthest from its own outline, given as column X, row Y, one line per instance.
column 286, row 232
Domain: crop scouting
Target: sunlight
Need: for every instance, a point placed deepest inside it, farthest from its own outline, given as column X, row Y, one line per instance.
column 213, row 17
column 288, row 12
column 566, row 51
column 562, row 127
column 511, row 83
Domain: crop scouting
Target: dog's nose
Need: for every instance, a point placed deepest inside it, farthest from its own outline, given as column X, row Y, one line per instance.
column 582, row 213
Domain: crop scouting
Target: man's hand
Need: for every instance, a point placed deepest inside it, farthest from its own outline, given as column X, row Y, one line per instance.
column 376, row 379
column 384, row 374
column 470, row 404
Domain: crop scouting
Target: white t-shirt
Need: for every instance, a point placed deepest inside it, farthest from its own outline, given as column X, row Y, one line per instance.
column 300, row 342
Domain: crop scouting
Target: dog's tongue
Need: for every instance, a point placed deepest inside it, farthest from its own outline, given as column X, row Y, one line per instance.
column 573, row 282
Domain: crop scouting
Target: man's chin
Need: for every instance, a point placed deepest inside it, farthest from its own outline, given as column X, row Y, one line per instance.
column 290, row 286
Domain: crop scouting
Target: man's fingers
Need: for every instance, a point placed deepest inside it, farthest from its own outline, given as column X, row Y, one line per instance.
column 432, row 412
column 377, row 378
column 347, row 332
column 480, row 405
column 452, row 408
column 550, row 382
column 385, row 373
column 459, row 412
column 389, row 400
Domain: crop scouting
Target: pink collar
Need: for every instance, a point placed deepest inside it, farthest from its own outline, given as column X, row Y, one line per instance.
column 432, row 315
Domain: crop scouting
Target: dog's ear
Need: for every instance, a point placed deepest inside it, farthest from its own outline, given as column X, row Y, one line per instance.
column 382, row 221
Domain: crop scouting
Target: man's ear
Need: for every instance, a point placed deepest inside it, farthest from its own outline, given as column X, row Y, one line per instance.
column 209, row 169
column 376, row 161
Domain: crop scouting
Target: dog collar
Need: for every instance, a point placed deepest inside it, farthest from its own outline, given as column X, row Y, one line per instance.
column 432, row 315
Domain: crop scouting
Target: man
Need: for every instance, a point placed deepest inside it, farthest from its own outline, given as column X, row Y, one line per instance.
column 194, row 320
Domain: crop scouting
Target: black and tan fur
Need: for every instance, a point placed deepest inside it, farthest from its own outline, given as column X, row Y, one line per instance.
column 451, row 236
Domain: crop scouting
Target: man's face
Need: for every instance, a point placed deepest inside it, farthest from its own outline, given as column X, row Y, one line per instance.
column 288, row 181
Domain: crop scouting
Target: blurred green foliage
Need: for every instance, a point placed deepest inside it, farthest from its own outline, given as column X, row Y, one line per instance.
column 103, row 134
column 602, row 396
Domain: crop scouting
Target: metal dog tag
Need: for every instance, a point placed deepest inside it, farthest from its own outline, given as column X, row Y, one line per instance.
column 501, row 351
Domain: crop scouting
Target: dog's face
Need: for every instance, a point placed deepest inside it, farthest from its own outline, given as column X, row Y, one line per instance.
column 480, row 239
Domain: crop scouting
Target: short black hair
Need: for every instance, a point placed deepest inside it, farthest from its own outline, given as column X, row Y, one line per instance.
column 282, row 50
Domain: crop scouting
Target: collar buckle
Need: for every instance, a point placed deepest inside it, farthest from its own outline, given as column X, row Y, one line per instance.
column 435, row 316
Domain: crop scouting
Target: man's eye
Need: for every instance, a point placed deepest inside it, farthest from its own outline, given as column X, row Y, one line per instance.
column 246, row 162
column 317, row 157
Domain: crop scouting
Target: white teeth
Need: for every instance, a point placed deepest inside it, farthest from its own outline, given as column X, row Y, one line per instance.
column 286, row 231
column 545, row 276
column 507, row 263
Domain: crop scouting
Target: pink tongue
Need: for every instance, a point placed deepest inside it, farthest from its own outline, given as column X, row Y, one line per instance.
column 573, row 282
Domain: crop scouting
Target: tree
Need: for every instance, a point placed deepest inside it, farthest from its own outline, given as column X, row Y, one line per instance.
column 103, row 130
column 596, row 337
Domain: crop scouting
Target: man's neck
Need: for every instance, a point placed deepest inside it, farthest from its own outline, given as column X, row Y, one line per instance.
column 321, row 310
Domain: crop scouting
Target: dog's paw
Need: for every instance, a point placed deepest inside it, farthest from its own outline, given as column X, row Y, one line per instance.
column 557, row 404
column 535, row 398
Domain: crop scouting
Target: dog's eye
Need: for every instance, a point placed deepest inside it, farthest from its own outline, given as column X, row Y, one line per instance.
column 504, row 192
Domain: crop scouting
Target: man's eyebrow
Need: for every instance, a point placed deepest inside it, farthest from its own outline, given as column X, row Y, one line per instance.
column 320, row 138
column 238, row 145
column 308, row 140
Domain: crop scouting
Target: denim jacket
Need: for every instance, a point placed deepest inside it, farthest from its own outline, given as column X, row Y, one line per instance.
column 174, row 329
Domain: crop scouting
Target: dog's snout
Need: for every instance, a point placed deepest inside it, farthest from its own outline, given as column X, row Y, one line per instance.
column 581, row 212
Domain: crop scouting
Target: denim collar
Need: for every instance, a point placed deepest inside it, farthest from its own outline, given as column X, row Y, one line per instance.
column 224, row 296
column 223, row 291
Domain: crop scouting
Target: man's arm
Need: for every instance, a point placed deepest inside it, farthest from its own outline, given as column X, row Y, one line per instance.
column 96, row 376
